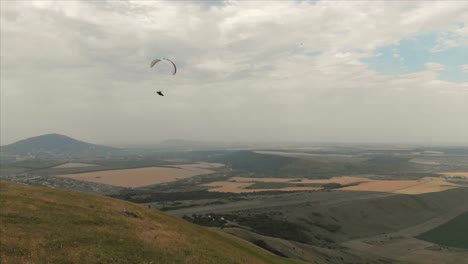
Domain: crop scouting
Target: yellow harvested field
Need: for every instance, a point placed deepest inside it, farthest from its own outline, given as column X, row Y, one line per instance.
column 143, row 176
column 429, row 185
column 456, row 174
column 240, row 187
column 230, row 187
column 424, row 185
column 382, row 186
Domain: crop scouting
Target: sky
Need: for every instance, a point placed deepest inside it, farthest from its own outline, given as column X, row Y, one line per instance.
column 312, row 71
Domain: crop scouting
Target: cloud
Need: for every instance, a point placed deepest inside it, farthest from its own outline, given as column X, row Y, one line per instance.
column 245, row 71
column 433, row 66
column 455, row 36
column 465, row 68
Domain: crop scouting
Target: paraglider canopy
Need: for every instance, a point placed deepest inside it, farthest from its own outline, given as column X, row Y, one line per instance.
column 168, row 62
column 163, row 71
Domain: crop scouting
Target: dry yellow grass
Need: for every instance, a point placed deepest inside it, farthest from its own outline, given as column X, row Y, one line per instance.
column 144, row 176
column 72, row 227
column 456, row 174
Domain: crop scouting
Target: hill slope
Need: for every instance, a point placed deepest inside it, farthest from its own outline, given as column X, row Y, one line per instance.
column 453, row 233
column 40, row 225
column 56, row 145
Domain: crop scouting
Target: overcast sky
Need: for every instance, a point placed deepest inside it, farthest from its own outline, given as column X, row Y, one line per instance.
column 388, row 71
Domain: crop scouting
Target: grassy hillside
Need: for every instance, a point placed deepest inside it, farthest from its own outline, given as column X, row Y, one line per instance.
column 326, row 219
column 40, row 225
column 453, row 233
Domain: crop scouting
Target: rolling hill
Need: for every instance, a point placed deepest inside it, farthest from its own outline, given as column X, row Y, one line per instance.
column 453, row 233
column 56, row 145
column 40, row 225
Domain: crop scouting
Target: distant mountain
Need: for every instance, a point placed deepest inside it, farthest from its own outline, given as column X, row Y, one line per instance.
column 56, row 145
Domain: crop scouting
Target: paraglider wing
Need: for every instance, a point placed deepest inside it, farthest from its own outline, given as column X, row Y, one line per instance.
column 173, row 64
column 169, row 63
column 154, row 62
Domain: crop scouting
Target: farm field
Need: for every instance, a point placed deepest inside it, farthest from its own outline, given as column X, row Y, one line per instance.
column 246, row 184
column 144, row 176
column 345, row 205
column 456, row 174
column 425, row 185
column 241, row 187
column 340, row 180
column 228, row 131
column 74, row 165
column 358, row 220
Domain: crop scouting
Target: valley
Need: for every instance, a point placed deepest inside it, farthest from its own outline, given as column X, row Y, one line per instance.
column 330, row 205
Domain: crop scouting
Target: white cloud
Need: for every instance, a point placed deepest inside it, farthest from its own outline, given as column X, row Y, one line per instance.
column 433, row 66
column 454, row 36
column 465, row 68
column 81, row 68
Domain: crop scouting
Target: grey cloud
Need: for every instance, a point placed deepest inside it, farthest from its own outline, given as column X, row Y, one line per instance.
column 82, row 69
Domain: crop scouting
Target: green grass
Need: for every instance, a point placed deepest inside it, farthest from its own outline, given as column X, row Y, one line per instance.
column 40, row 225
column 453, row 233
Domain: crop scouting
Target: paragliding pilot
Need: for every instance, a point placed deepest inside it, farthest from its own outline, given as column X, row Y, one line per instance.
column 171, row 63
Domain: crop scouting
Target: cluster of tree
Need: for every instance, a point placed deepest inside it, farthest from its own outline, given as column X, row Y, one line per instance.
column 148, row 196
column 260, row 223
column 211, row 220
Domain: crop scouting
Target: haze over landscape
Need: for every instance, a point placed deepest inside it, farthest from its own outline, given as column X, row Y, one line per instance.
column 380, row 71
column 325, row 132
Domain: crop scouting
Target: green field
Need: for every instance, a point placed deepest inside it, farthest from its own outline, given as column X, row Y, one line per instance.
column 453, row 233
